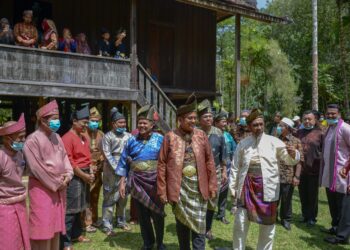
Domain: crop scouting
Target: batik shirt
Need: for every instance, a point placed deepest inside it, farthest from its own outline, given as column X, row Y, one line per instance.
column 218, row 146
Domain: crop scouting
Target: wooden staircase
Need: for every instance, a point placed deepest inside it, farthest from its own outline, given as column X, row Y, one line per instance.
column 151, row 93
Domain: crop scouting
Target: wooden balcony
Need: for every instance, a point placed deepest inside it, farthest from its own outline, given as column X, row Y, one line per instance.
column 36, row 72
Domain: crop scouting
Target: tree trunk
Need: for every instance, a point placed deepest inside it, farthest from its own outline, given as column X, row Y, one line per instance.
column 314, row 56
column 343, row 55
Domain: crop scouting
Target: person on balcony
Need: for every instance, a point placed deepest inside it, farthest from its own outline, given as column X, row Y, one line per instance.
column 50, row 37
column 104, row 46
column 119, row 44
column 49, row 174
column 78, row 150
column 67, row 43
column 218, row 146
column 13, row 213
column 186, row 176
column 97, row 159
column 6, row 33
column 113, row 144
column 25, row 32
column 138, row 164
column 82, row 44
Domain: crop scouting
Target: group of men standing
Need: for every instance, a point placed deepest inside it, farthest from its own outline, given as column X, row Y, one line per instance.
column 190, row 168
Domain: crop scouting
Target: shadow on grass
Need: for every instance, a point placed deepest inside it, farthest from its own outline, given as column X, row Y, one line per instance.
column 314, row 237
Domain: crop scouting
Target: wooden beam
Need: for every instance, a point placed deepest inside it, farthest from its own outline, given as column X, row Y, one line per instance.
column 238, row 63
column 133, row 115
column 133, row 44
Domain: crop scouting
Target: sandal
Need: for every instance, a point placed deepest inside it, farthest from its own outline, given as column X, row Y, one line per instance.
column 82, row 239
column 91, row 229
column 125, row 228
column 111, row 233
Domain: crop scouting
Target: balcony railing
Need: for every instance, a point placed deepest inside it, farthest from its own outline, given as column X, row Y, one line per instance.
column 36, row 65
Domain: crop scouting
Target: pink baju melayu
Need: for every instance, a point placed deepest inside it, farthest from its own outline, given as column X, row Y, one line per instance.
column 48, row 164
column 13, row 214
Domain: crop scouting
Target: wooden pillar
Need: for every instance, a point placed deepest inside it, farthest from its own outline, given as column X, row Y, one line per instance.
column 133, row 44
column 238, row 63
column 133, row 115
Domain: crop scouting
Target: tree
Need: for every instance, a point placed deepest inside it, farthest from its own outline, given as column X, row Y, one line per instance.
column 314, row 56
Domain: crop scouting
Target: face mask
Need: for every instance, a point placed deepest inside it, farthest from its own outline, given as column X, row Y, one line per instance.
column 93, row 125
column 279, row 130
column 309, row 128
column 120, row 130
column 332, row 121
column 242, row 121
column 321, row 119
column 17, row 146
column 55, row 125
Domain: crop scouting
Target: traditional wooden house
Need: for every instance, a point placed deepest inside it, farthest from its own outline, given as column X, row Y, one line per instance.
column 174, row 39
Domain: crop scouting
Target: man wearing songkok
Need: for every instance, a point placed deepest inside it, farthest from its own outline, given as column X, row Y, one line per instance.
column 139, row 164
column 26, row 33
column 78, row 149
column 113, row 144
column 254, row 181
column 49, row 174
column 14, row 230
column 289, row 175
column 95, row 137
column 336, row 154
column 187, row 177
column 221, row 123
column 218, row 146
column 311, row 138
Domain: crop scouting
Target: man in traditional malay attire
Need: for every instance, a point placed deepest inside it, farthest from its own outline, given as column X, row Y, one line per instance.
column 113, row 144
column 49, row 174
column 95, row 136
column 254, row 181
column 311, row 138
column 78, row 150
column 218, row 147
column 14, row 230
column 26, row 33
column 138, row 164
column 221, row 123
column 187, row 176
column 336, row 154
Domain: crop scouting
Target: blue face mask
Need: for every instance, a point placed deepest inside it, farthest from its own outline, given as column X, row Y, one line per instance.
column 309, row 128
column 55, row 125
column 242, row 121
column 17, row 146
column 332, row 121
column 279, row 130
column 120, row 130
column 93, row 125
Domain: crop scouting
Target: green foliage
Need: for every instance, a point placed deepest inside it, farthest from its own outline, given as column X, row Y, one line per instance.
column 266, row 76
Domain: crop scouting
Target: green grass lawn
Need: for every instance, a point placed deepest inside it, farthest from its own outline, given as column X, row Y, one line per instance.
column 301, row 236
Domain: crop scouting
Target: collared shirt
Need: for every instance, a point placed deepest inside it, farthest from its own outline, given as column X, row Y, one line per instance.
column 287, row 171
column 138, row 149
column 270, row 150
column 11, row 170
column 78, row 149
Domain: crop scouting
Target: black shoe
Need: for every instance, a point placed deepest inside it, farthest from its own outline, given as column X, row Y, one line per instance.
column 161, row 247
column 224, row 221
column 332, row 230
column 311, row 223
column 209, row 235
column 334, row 240
column 286, row 225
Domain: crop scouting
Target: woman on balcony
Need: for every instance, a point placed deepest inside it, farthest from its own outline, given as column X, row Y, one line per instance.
column 67, row 43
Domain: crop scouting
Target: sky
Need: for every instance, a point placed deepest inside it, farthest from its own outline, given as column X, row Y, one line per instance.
column 261, row 3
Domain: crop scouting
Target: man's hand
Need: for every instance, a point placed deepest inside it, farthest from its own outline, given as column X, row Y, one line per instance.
column 343, row 173
column 224, row 177
column 163, row 199
column 291, row 151
column 212, row 194
column 296, row 181
column 122, row 189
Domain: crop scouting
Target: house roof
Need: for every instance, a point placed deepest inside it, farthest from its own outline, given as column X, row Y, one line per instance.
column 228, row 8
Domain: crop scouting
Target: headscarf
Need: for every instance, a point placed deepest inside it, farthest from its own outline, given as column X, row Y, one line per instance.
column 82, row 44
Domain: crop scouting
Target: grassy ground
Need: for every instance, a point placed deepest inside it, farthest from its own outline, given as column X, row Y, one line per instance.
column 301, row 236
